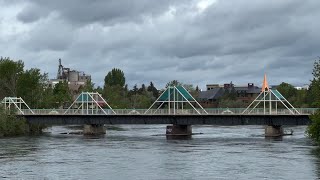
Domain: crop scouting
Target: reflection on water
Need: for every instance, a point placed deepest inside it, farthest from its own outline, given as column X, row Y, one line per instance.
column 133, row 152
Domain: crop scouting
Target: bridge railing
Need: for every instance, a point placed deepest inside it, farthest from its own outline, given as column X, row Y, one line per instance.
column 307, row 110
column 214, row 111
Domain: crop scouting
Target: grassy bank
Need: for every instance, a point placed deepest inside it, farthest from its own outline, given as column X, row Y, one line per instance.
column 10, row 125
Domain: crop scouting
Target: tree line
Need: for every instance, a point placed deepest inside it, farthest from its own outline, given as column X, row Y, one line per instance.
column 33, row 86
column 30, row 84
column 119, row 96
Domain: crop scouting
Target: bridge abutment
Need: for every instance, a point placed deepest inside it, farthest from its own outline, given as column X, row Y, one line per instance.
column 94, row 129
column 183, row 130
column 273, row 131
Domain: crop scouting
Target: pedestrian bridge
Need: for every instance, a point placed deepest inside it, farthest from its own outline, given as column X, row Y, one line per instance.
column 209, row 111
column 174, row 106
column 180, row 122
column 217, row 116
column 187, row 117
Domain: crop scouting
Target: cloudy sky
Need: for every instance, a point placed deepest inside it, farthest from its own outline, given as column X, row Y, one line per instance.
column 193, row 41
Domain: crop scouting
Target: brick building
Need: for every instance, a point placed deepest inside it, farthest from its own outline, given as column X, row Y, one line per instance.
column 245, row 94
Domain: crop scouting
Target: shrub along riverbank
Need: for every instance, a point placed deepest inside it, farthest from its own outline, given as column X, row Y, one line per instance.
column 10, row 125
column 313, row 130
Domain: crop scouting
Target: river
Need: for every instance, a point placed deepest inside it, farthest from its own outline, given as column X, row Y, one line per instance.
column 138, row 152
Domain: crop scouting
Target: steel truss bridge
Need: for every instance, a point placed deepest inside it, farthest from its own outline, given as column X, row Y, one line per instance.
column 175, row 106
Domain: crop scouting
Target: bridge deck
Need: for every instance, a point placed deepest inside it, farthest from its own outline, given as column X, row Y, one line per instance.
column 213, row 111
column 210, row 119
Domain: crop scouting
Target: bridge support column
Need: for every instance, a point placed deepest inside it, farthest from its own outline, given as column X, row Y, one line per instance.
column 273, row 131
column 94, row 129
column 184, row 130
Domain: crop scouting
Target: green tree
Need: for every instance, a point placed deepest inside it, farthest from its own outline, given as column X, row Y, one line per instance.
column 115, row 77
column 140, row 98
column 61, row 94
column 229, row 95
column 31, row 85
column 143, row 89
column 229, row 103
column 135, row 89
column 174, row 83
column 88, row 87
column 313, row 130
column 99, row 90
column 9, row 73
column 301, row 99
column 141, row 101
column 153, row 89
column 287, row 90
column 116, row 96
column 126, row 88
column 133, row 96
column 114, row 89
column 197, row 88
column 48, row 100
column 314, row 89
column 298, row 98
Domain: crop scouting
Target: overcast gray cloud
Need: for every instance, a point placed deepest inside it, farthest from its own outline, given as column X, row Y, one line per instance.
column 197, row 41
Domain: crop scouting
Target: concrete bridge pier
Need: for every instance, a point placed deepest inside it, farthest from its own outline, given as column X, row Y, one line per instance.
column 94, row 129
column 273, row 131
column 179, row 130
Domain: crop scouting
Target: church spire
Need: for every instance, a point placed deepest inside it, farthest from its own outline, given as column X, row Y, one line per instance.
column 265, row 85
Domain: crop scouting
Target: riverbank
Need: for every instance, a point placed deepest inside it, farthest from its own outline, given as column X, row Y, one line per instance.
column 313, row 130
column 10, row 125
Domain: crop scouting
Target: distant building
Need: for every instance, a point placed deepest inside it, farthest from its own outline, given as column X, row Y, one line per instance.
column 211, row 97
column 75, row 79
column 247, row 93
column 304, row 87
column 212, row 86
